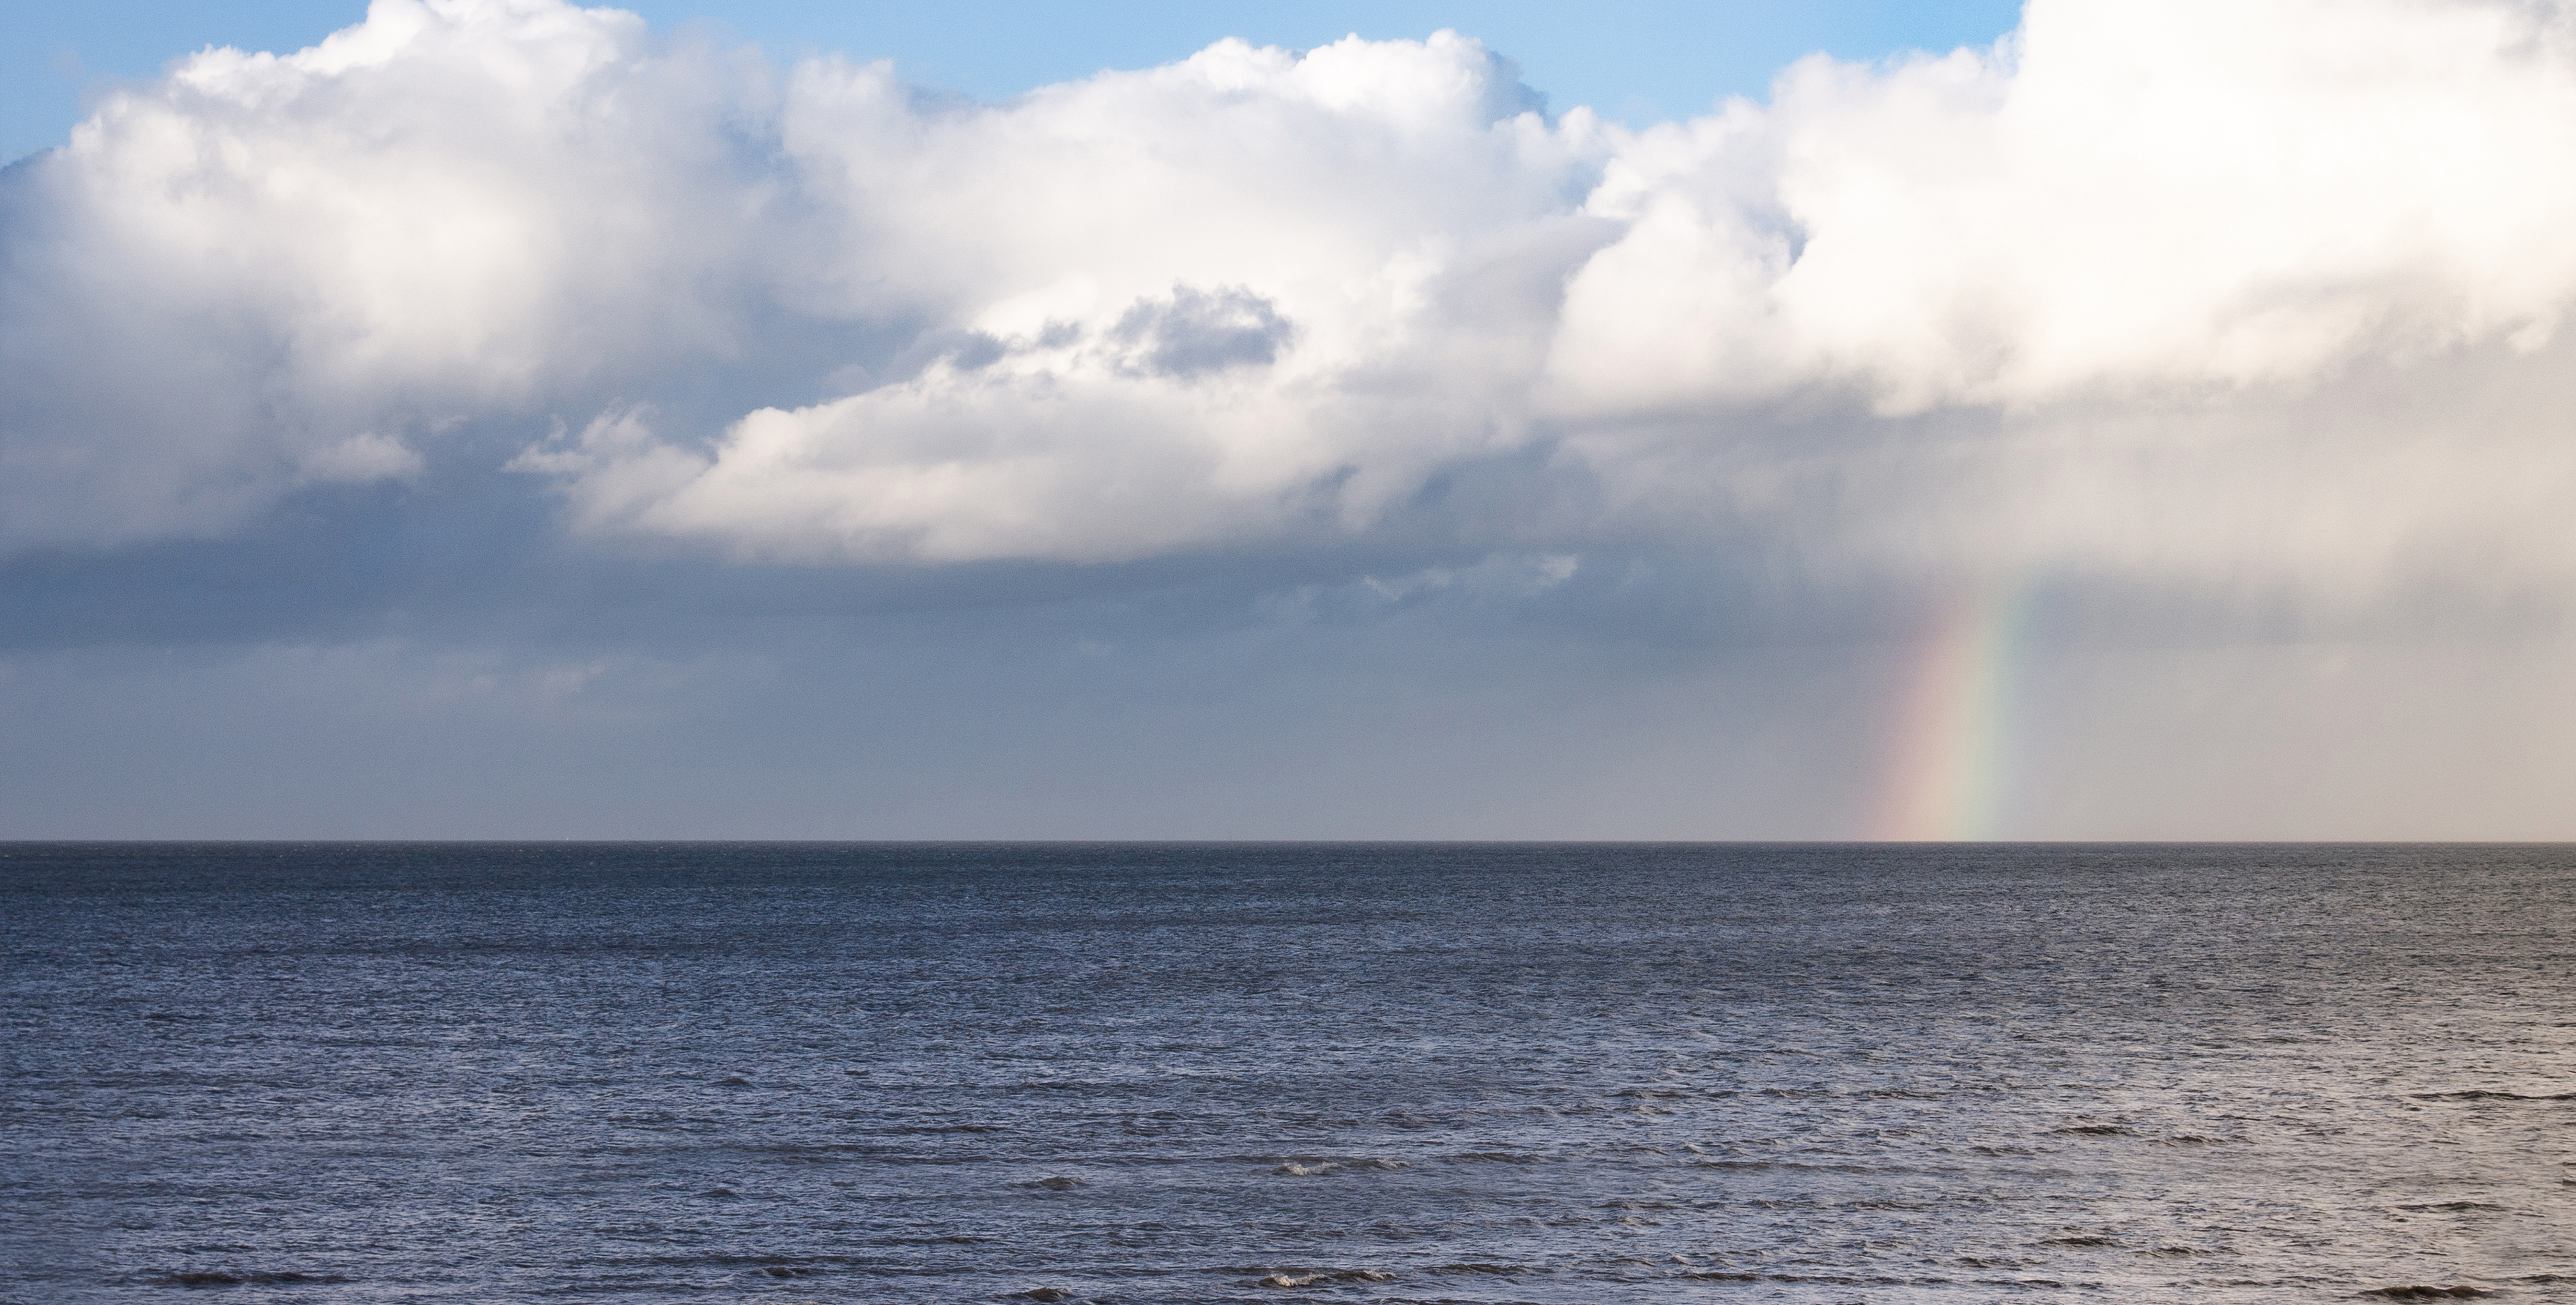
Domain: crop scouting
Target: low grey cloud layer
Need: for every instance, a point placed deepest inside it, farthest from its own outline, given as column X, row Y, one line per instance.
column 510, row 334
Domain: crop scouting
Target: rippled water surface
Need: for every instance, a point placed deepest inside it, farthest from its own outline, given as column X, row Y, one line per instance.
column 1252, row 1073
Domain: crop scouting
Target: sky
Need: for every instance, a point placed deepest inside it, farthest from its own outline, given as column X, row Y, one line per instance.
column 495, row 418
column 1638, row 60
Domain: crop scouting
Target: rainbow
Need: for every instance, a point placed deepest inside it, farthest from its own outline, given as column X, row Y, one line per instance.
column 1949, row 766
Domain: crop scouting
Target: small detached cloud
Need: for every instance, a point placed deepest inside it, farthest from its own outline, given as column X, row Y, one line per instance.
column 2266, row 292
column 1196, row 331
column 1508, row 579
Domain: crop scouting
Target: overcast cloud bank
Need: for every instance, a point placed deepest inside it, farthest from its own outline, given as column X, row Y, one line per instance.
column 2204, row 294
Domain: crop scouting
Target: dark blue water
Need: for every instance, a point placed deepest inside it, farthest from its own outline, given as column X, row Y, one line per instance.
column 1336, row 1073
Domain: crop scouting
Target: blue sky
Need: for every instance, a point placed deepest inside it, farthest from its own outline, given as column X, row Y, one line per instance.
column 520, row 421
column 1640, row 61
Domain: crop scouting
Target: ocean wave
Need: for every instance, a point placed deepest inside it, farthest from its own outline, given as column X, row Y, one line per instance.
column 223, row 1278
column 2481, row 1094
column 1318, row 1278
column 1312, row 1168
column 1828, row 1279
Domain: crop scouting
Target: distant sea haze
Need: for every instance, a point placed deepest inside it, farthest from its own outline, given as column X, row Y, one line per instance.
column 1154, row 1073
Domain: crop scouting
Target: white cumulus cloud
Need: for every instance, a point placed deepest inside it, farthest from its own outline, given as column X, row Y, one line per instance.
column 2265, row 291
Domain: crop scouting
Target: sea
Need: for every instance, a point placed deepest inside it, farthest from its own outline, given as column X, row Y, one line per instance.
column 1147, row 1073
